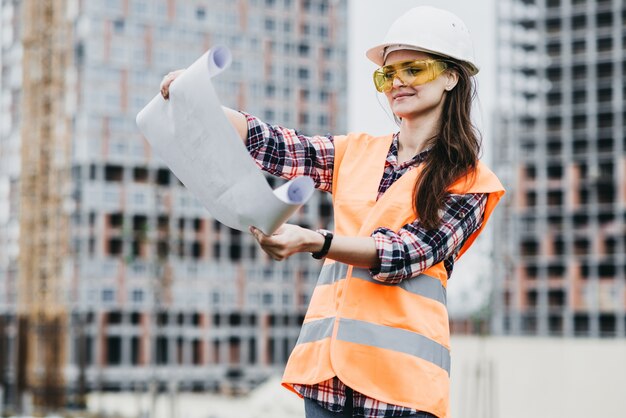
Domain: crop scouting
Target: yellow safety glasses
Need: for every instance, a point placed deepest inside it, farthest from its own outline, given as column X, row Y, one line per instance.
column 411, row 73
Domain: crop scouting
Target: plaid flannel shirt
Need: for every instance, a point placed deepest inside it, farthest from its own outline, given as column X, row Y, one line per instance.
column 403, row 254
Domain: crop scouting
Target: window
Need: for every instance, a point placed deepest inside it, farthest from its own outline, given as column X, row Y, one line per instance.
column 118, row 25
column 140, row 174
column 269, row 115
column 605, row 120
column 604, row 44
column 529, row 248
column 137, row 295
column 114, row 350
column 115, row 246
column 604, row 20
column 196, row 249
column 579, row 72
column 113, row 173
column 578, row 47
column 554, row 123
column 555, row 198
column 553, row 25
column 270, row 24
column 303, row 73
column 268, row 299
column 579, row 96
column 579, row 122
column 605, row 95
column 108, row 295
column 579, row 22
column 554, row 49
column 554, row 98
column 555, row 171
column 303, row 50
column 163, row 177
column 555, row 74
column 134, row 350
column 604, row 70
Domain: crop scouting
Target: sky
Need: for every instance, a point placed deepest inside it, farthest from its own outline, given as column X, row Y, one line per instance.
column 368, row 21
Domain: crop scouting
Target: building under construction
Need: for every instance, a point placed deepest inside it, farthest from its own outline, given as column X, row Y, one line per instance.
column 561, row 152
column 112, row 276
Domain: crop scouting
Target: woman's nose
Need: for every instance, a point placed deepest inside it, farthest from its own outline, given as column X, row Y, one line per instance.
column 397, row 81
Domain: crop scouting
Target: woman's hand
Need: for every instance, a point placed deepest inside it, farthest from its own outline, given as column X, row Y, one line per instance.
column 291, row 239
column 167, row 80
column 288, row 240
column 236, row 119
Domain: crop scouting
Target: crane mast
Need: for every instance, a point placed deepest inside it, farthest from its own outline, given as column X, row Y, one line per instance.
column 44, row 215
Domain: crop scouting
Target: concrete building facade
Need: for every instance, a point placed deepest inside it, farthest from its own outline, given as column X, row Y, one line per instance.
column 159, row 291
column 561, row 235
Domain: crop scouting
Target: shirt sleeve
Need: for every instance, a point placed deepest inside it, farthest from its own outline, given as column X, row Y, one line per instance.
column 287, row 153
column 413, row 249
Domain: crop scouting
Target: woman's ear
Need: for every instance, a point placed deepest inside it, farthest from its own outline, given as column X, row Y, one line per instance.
column 452, row 78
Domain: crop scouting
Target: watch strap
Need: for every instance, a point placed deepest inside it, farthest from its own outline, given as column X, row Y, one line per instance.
column 328, row 238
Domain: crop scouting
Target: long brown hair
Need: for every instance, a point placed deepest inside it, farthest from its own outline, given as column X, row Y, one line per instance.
column 454, row 151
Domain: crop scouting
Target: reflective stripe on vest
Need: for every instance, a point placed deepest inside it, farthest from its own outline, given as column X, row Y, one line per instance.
column 316, row 330
column 422, row 285
column 380, row 336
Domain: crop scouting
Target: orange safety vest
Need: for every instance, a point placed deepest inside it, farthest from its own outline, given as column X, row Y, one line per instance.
column 389, row 342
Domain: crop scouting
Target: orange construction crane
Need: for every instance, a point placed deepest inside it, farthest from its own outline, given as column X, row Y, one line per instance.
column 44, row 215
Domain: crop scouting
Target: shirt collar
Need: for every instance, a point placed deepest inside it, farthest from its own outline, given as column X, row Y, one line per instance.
column 392, row 157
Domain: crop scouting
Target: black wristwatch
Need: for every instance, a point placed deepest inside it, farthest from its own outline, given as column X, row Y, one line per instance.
column 328, row 238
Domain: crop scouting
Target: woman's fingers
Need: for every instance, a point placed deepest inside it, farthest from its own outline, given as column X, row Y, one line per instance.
column 165, row 86
column 270, row 244
column 167, row 80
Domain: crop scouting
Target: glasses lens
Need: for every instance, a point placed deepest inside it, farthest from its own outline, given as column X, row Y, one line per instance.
column 416, row 73
column 383, row 79
column 411, row 73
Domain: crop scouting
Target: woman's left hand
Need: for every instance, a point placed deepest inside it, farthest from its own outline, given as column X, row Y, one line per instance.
column 288, row 240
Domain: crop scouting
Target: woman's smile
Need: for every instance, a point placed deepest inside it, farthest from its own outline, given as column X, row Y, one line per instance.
column 402, row 95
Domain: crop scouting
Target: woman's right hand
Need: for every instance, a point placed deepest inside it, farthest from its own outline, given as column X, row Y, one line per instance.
column 167, row 80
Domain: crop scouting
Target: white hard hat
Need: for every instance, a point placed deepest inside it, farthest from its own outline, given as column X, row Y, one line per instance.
column 430, row 30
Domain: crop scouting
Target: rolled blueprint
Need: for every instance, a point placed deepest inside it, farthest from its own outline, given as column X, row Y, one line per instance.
column 193, row 136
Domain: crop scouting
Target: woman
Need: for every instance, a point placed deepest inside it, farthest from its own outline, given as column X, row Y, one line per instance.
column 375, row 340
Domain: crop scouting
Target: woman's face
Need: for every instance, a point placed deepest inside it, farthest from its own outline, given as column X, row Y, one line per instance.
column 410, row 102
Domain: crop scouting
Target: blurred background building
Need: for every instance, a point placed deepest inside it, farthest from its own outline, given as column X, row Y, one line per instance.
column 153, row 290
column 153, row 293
column 560, row 151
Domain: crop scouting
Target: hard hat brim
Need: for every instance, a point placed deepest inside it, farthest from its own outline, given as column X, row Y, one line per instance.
column 377, row 53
